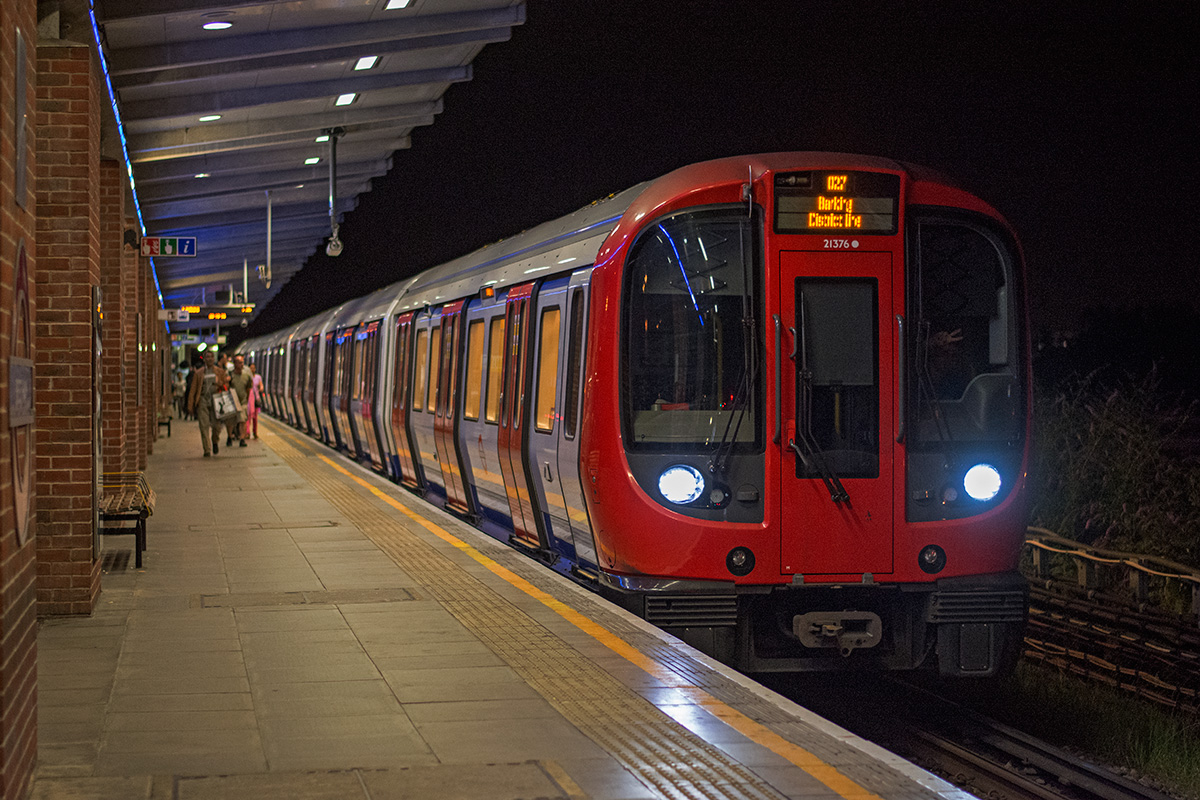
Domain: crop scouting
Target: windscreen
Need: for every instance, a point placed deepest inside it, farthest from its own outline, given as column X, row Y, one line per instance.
column 691, row 335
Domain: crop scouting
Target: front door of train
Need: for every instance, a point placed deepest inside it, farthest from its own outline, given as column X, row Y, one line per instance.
column 837, row 375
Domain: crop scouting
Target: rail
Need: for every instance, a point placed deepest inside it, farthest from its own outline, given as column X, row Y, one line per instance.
column 1146, row 580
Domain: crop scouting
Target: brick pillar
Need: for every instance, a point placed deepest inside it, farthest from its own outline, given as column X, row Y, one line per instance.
column 149, row 388
column 114, row 420
column 18, row 553
column 70, row 94
column 131, row 284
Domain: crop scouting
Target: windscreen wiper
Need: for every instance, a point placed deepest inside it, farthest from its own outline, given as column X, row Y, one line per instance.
column 741, row 401
column 808, row 450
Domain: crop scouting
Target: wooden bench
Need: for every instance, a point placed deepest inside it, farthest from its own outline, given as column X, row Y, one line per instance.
column 164, row 418
column 126, row 501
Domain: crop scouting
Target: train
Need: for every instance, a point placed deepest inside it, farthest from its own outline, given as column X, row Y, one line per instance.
column 777, row 405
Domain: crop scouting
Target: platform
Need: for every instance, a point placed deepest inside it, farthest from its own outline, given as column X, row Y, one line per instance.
column 304, row 629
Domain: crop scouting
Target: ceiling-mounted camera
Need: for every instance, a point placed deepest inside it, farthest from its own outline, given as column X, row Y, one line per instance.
column 334, row 247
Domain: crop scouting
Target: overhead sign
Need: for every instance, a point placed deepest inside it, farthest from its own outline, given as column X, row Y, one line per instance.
column 174, row 315
column 169, row 246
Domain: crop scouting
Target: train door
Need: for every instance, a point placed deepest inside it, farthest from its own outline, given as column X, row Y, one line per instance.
column 836, row 492
column 310, row 386
column 368, row 396
column 483, row 371
column 303, row 390
column 295, row 382
column 526, row 527
column 445, row 411
column 357, row 359
column 571, row 403
column 427, row 332
column 405, row 466
column 545, row 424
column 325, row 393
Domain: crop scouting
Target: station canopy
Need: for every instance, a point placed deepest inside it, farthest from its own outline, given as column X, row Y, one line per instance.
column 227, row 107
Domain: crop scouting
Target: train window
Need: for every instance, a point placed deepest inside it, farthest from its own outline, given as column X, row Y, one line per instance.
column 399, row 375
column 495, row 369
column 691, row 377
column 963, row 349
column 474, row 370
column 547, row 377
column 420, row 369
column 574, row 360
column 839, row 404
column 435, row 367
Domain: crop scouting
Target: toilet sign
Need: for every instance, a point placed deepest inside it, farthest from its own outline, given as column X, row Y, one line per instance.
column 169, row 246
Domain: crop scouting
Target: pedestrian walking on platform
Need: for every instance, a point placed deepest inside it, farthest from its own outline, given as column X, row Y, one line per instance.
column 241, row 381
column 255, row 397
column 207, row 380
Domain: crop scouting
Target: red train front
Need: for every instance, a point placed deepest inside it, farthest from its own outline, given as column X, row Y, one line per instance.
column 806, row 415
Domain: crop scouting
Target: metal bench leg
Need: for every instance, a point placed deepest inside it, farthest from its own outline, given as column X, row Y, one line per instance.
column 139, row 542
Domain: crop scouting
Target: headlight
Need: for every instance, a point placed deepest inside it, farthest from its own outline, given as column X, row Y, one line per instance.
column 982, row 482
column 681, row 484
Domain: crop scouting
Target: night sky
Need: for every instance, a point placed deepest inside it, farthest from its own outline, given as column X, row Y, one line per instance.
column 1077, row 121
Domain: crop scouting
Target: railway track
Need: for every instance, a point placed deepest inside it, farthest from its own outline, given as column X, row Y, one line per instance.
column 994, row 760
column 980, row 755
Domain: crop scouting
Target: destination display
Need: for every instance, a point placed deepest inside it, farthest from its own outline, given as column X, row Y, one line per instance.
column 821, row 202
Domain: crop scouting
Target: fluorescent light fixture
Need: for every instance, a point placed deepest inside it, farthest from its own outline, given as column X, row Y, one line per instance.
column 366, row 62
column 395, row 4
column 210, row 118
column 346, row 99
column 324, row 137
column 201, row 174
column 313, row 160
column 218, row 25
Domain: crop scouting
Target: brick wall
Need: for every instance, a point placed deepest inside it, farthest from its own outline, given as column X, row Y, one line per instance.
column 69, row 95
column 116, row 455
column 18, row 565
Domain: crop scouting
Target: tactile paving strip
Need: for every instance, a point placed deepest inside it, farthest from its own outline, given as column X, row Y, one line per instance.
column 660, row 751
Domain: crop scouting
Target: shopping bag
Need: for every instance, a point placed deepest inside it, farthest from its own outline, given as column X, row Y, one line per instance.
column 225, row 404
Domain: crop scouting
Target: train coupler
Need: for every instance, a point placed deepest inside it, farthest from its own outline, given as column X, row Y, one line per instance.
column 846, row 630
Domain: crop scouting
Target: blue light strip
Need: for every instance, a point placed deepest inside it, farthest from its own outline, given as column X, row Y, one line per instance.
column 112, row 97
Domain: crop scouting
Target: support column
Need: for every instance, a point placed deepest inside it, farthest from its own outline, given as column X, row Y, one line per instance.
column 115, row 421
column 18, row 519
column 70, row 95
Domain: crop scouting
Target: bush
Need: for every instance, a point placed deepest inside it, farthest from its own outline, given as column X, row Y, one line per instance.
column 1101, row 473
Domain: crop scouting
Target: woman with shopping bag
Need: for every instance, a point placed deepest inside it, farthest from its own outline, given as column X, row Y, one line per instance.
column 209, row 392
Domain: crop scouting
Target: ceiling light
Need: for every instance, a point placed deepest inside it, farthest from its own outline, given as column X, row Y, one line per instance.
column 218, row 25
column 201, row 174
column 322, row 138
column 210, row 118
column 394, row 4
column 313, row 160
column 366, row 62
column 346, row 99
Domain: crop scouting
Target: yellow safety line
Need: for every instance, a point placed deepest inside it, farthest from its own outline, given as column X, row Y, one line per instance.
column 754, row 731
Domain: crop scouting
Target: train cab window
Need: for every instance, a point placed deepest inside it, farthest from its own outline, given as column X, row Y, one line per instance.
column 435, row 367
column 574, row 361
column 474, row 370
column 495, row 369
column 963, row 351
column 839, row 403
column 692, row 333
column 547, row 374
column 420, row 370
